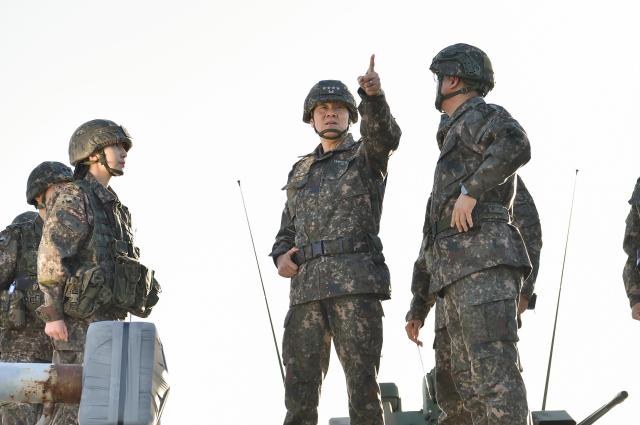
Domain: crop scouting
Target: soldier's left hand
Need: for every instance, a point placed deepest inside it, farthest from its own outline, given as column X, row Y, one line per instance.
column 461, row 215
column 413, row 331
column 370, row 82
column 523, row 304
column 635, row 311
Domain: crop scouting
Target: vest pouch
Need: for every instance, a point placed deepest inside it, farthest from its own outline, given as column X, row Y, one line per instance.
column 85, row 293
column 128, row 273
column 33, row 297
column 147, row 293
column 12, row 311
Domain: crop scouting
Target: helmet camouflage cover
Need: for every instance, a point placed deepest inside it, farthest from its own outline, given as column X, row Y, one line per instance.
column 329, row 91
column 467, row 62
column 44, row 175
column 25, row 217
column 95, row 135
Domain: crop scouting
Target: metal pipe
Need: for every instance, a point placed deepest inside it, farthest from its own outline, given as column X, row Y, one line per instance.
column 605, row 409
column 40, row 383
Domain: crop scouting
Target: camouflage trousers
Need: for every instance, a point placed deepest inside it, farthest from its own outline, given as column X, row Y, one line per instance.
column 28, row 345
column 449, row 401
column 354, row 323
column 481, row 314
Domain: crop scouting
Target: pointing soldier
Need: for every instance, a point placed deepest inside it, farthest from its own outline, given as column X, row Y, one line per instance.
column 631, row 246
column 328, row 245
column 477, row 260
column 24, row 340
column 88, row 267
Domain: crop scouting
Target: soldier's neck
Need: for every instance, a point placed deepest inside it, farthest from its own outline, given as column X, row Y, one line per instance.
column 100, row 173
column 451, row 105
column 329, row 145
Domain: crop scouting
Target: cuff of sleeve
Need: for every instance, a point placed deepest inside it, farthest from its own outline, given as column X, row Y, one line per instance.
column 278, row 251
column 634, row 299
column 365, row 97
column 49, row 313
column 417, row 315
column 473, row 189
column 527, row 290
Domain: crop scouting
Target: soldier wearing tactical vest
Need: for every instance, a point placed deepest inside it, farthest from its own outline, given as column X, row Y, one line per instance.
column 23, row 339
column 631, row 245
column 328, row 245
column 88, row 265
column 477, row 260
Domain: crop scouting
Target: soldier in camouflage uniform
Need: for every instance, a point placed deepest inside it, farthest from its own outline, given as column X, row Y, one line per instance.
column 476, row 258
column 88, row 266
column 328, row 245
column 525, row 218
column 24, row 340
column 631, row 246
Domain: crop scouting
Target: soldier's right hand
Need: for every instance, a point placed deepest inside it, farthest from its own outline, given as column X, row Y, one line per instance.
column 635, row 311
column 57, row 330
column 286, row 266
column 413, row 331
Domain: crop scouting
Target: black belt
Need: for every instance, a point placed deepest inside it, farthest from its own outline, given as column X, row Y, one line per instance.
column 481, row 212
column 345, row 245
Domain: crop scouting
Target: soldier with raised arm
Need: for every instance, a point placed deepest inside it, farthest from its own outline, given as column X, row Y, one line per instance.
column 328, row 245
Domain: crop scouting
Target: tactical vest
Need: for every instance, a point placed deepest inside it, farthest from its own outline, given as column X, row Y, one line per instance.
column 18, row 305
column 107, row 274
column 27, row 263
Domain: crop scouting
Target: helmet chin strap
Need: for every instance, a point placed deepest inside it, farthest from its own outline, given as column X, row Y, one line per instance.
column 102, row 159
column 336, row 133
column 442, row 97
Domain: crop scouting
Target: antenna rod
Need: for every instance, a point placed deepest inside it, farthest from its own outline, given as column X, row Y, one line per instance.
column 273, row 333
column 555, row 322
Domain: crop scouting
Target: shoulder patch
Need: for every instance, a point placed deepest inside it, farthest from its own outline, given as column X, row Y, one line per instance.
column 69, row 221
column 5, row 237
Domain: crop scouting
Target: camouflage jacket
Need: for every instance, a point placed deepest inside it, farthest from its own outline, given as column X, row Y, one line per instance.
column 525, row 218
column 69, row 243
column 334, row 204
column 631, row 246
column 18, row 253
column 482, row 149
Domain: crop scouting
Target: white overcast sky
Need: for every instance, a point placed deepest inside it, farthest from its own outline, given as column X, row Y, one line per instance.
column 212, row 92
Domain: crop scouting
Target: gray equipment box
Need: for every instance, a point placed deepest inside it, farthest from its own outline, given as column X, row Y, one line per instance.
column 124, row 378
column 552, row 417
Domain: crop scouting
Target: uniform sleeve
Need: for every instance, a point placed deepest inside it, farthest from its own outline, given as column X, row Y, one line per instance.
column 8, row 257
column 526, row 219
column 506, row 148
column 532, row 236
column 285, row 239
column 422, row 302
column 631, row 245
column 65, row 228
column 379, row 130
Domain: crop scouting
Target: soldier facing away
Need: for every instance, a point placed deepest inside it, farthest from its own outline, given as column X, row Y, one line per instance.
column 631, row 245
column 23, row 339
column 477, row 260
column 525, row 218
column 88, row 267
column 328, row 245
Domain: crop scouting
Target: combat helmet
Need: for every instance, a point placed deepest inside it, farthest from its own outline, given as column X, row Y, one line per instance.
column 467, row 62
column 326, row 91
column 25, row 217
column 43, row 176
column 92, row 137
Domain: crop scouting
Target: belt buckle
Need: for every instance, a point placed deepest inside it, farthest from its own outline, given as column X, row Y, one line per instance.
column 316, row 249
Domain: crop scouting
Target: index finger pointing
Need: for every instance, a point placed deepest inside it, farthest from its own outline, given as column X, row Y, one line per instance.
column 372, row 63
